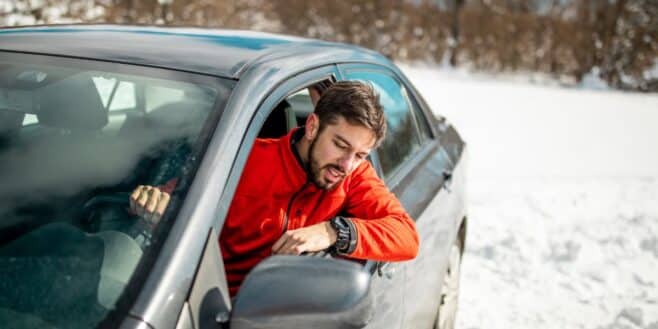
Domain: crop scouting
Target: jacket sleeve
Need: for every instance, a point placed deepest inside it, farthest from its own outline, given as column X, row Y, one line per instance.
column 385, row 232
column 169, row 186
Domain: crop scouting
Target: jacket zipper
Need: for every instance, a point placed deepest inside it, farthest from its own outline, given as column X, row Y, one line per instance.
column 292, row 199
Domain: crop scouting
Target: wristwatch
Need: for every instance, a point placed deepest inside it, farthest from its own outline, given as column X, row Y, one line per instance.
column 345, row 235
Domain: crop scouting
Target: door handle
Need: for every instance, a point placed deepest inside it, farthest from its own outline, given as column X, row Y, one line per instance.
column 447, row 179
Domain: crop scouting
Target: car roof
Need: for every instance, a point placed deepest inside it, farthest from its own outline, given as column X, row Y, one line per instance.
column 224, row 53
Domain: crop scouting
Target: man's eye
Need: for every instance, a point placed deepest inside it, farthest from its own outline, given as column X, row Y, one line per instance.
column 340, row 146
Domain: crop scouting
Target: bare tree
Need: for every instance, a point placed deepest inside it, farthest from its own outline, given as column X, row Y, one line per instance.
column 454, row 29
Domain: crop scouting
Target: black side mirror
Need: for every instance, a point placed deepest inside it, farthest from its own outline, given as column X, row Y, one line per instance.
column 303, row 292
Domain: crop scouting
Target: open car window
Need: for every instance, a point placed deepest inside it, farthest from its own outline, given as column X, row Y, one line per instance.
column 291, row 112
column 76, row 137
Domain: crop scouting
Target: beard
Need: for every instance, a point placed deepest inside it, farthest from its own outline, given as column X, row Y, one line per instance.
column 314, row 170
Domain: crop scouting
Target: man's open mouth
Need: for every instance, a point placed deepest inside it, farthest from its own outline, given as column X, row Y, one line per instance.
column 333, row 174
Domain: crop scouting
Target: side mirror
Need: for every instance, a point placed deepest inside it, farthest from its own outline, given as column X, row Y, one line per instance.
column 303, row 292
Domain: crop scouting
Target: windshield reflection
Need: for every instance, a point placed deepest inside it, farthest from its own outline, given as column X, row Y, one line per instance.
column 73, row 143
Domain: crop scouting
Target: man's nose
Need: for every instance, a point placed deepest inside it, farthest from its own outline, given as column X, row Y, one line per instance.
column 346, row 163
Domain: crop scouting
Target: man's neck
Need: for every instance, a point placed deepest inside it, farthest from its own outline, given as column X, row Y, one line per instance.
column 301, row 147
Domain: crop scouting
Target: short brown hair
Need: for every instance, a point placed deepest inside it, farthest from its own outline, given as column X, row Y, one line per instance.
column 355, row 101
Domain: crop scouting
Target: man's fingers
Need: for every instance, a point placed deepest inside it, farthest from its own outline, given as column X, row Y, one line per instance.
column 162, row 205
column 282, row 246
column 286, row 249
column 143, row 196
column 279, row 243
column 141, row 200
column 133, row 198
column 149, row 202
column 308, row 239
column 295, row 248
column 152, row 201
column 293, row 245
column 163, row 201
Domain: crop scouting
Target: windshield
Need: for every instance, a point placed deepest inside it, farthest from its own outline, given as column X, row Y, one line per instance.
column 76, row 137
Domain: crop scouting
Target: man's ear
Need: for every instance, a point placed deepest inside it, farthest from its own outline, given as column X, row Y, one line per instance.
column 312, row 126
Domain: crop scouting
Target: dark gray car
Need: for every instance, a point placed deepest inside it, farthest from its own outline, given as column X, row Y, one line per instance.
column 87, row 113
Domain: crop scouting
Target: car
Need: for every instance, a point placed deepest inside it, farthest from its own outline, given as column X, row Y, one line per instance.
column 89, row 112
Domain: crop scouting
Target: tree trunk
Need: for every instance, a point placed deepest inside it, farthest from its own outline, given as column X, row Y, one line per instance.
column 454, row 45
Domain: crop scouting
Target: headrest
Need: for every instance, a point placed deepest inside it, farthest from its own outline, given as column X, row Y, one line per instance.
column 184, row 118
column 72, row 103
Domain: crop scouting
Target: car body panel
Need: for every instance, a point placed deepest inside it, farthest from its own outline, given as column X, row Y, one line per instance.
column 422, row 187
column 267, row 68
column 438, row 227
column 225, row 53
column 215, row 53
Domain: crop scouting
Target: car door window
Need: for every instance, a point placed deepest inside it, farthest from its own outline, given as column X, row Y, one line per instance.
column 115, row 95
column 423, row 127
column 158, row 96
column 291, row 112
column 29, row 119
column 402, row 138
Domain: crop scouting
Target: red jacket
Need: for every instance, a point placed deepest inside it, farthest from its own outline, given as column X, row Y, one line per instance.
column 274, row 185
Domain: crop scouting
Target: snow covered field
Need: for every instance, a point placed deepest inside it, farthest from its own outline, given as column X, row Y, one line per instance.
column 563, row 207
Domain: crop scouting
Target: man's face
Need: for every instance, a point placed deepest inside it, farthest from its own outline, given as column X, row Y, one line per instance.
column 338, row 150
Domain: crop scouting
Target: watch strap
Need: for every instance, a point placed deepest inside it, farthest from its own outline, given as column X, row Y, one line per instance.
column 346, row 236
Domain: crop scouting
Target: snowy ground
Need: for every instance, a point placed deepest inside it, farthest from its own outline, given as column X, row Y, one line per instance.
column 563, row 202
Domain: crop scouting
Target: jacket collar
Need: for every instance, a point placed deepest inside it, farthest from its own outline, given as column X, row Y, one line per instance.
column 294, row 170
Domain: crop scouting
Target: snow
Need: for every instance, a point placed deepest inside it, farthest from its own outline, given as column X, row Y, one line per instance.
column 563, row 201
column 592, row 80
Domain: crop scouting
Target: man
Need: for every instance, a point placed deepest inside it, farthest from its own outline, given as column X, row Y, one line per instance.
column 312, row 190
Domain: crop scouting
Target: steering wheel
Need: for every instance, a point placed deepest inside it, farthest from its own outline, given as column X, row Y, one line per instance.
column 118, row 198
column 110, row 211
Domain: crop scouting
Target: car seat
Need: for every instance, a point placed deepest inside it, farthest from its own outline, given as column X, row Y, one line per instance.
column 279, row 122
column 58, row 257
column 59, row 108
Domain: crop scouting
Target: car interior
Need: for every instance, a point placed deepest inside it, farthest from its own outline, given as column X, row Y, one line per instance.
column 147, row 148
column 68, row 162
column 291, row 112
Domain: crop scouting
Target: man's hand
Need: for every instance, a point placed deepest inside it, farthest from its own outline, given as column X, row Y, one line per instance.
column 149, row 203
column 308, row 239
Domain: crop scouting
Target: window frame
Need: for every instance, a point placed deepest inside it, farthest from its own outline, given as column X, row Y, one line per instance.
column 395, row 177
column 284, row 89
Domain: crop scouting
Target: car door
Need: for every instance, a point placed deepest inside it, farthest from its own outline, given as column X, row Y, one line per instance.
column 413, row 166
column 271, row 119
column 388, row 280
column 440, row 204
